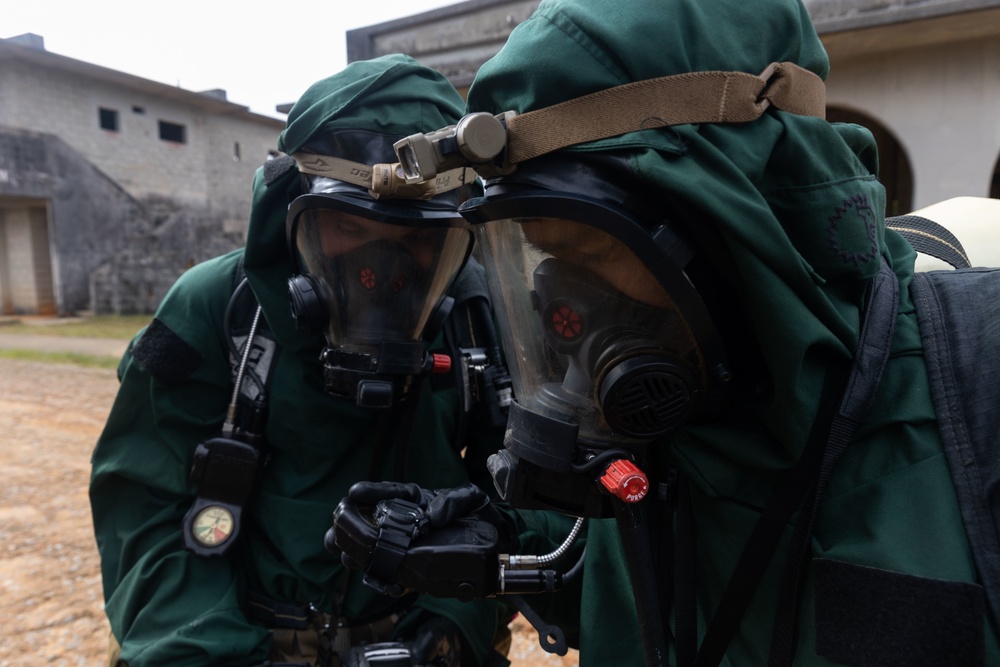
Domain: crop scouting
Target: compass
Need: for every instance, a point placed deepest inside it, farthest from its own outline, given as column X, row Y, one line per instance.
column 212, row 526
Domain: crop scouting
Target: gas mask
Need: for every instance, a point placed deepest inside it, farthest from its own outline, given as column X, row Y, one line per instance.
column 622, row 372
column 372, row 279
column 609, row 345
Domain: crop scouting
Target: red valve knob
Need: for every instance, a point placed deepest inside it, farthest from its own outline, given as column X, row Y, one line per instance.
column 624, row 479
column 441, row 363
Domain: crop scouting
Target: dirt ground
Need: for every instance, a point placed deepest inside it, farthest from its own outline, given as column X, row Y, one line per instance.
column 50, row 589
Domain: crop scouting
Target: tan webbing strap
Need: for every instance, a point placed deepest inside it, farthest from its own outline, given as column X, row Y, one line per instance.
column 694, row 97
column 382, row 180
column 334, row 167
column 794, row 89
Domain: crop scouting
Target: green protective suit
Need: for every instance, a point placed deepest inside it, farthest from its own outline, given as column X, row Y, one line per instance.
column 800, row 211
column 169, row 607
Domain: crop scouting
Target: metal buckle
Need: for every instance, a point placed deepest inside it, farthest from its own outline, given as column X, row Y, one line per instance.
column 767, row 76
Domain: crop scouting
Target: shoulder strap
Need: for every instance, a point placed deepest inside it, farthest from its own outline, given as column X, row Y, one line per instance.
column 226, row 468
column 253, row 350
column 832, row 430
column 930, row 238
column 959, row 317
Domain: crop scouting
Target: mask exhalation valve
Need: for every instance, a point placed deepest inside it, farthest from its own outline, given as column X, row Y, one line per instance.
column 645, row 396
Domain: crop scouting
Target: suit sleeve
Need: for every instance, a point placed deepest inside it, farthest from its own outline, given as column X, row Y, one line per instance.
column 165, row 605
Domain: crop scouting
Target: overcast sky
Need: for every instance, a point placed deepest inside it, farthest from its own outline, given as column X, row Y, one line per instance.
column 261, row 53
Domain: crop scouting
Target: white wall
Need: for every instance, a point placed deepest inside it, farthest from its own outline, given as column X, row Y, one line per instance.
column 200, row 172
column 943, row 105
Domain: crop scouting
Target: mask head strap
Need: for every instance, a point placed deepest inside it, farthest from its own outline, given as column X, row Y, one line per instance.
column 494, row 145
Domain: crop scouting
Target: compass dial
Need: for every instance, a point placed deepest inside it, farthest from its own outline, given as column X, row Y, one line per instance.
column 213, row 525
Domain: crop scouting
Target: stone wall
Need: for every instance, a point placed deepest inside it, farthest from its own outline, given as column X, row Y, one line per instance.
column 110, row 252
column 137, row 276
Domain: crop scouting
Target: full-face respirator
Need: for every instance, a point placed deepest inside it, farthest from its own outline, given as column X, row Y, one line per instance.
column 614, row 345
column 372, row 278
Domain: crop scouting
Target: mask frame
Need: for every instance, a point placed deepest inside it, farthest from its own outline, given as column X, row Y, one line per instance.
column 547, row 462
column 661, row 246
column 373, row 372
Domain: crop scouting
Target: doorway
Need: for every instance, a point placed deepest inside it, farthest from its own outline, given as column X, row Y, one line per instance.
column 26, row 282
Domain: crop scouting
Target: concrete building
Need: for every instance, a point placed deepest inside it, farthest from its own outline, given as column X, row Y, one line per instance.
column 923, row 75
column 112, row 185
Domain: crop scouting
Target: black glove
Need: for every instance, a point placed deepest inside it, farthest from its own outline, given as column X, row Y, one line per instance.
column 438, row 642
column 404, row 537
column 441, row 507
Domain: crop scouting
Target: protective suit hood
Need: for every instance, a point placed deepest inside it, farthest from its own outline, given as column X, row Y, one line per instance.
column 386, row 97
column 794, row 198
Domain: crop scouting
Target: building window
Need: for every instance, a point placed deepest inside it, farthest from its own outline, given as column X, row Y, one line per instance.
column 109, row 119
column 172, row 132
column 138, row 109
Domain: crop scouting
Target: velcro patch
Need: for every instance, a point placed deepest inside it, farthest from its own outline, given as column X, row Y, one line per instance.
column 872, row 617
column 165, row 355
column 276, row 168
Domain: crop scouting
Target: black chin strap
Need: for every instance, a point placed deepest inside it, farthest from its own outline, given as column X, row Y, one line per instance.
column 395, row 427
column 832, row 430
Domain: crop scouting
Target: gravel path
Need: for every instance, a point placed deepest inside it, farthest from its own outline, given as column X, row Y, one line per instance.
column 50, row 589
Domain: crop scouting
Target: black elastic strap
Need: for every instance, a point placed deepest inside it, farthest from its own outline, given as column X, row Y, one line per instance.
column 643, row 576
column 273, row 613
column 685, row 579
column 832, row 429
column 930, row 238
column 383, row 437
column 405, row 431
column 395, row 429
column 666, row 493
column 787, row 495
column 875, row 342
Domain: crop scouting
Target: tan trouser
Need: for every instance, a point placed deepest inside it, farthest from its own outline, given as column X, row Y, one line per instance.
column 114, row 652
column 304, row 645
column 318, row 645
column 322, row 643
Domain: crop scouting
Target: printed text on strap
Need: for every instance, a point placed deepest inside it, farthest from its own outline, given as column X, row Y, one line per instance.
column 382, row 180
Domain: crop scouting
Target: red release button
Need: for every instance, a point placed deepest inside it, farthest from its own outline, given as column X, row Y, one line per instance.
column 624, row 479
column 441, row 363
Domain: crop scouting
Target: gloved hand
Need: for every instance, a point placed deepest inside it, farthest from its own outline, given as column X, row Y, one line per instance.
column 404, row 537
column 438, row 642
column 441, row 507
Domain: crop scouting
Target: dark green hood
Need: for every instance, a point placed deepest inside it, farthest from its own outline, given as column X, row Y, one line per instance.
column 391, row 96
column 795, row 198
column 796, row 202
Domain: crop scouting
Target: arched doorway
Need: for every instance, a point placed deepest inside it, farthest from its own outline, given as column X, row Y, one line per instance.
column 894, row 166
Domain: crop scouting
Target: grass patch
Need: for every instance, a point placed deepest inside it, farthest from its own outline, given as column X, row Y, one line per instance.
column 101, row 326
column 74, row 358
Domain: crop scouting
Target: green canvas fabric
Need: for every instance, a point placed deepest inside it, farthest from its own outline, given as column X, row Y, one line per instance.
column 800, row 212
column 169, row 607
